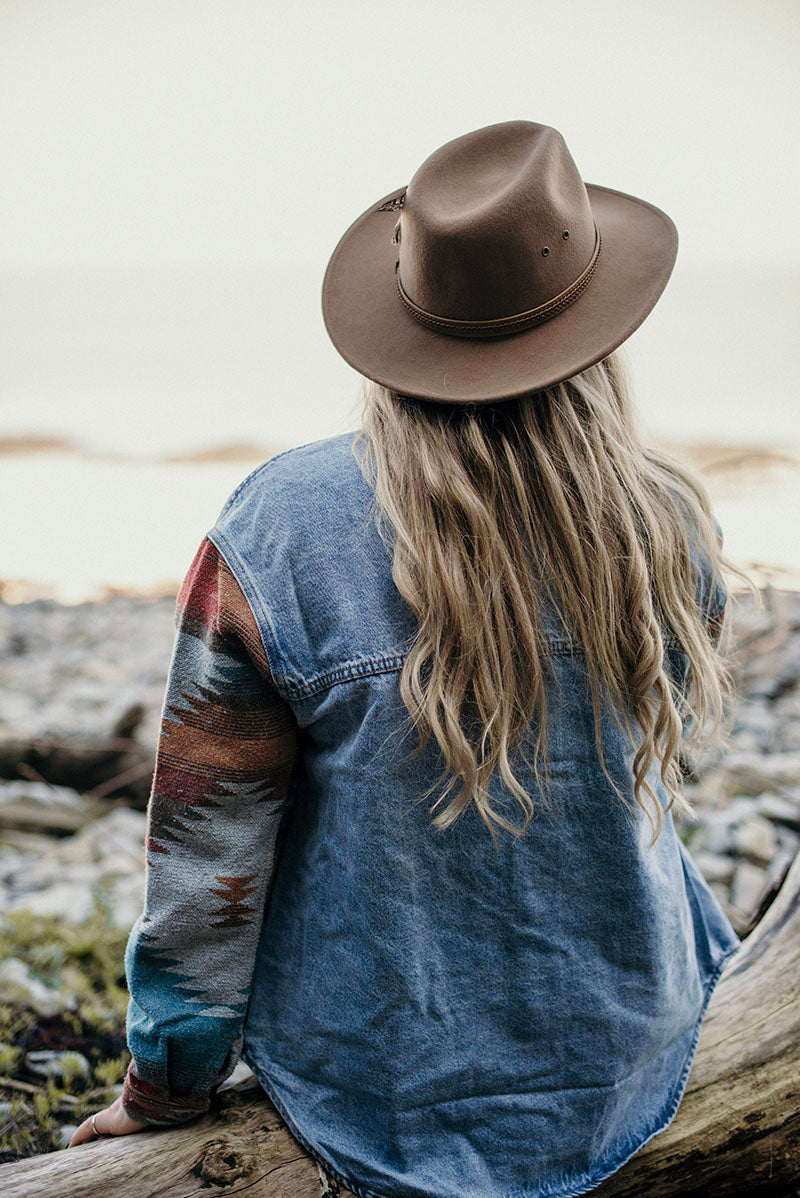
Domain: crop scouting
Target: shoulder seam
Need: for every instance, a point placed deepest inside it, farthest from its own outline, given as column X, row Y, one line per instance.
column 258, row 470
column 246, row 481
column 240, row 572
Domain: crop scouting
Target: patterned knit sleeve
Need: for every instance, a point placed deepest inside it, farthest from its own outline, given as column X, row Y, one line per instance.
column 226, row 750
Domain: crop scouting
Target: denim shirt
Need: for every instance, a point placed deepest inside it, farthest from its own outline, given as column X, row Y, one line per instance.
column 433, row 1016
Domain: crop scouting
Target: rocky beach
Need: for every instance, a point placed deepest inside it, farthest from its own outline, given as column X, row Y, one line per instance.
column 81, row 689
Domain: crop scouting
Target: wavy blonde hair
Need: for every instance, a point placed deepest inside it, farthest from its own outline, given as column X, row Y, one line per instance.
column 487, row 504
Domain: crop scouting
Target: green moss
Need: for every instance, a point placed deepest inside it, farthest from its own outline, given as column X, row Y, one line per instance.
column 85, row 961
column 111, row 1072
column 9, row 1058
column 14, row 1024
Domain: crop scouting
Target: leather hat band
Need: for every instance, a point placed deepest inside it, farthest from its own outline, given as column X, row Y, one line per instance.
column 505, row 324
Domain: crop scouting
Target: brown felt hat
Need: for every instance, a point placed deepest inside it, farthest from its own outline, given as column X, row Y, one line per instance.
column 496, row 272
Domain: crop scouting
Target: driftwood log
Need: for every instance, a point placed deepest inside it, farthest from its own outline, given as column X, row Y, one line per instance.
column 736, row 1132
column 115, row 766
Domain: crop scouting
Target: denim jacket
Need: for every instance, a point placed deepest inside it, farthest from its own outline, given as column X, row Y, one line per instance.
column 434, row 1017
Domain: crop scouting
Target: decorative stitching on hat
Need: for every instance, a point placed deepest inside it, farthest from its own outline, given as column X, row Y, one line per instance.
column 504, row 324
column 394, row 204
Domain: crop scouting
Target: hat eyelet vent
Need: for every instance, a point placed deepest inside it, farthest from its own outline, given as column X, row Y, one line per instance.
column 565, row 234
column 545, row 251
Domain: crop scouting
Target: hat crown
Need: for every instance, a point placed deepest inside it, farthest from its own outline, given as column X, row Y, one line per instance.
column 494, row 223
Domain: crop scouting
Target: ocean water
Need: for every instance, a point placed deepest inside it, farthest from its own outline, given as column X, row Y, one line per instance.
column 159, row 361
column 130, row 368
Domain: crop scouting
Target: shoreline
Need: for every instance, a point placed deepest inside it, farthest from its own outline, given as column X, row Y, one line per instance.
column 99, row 540
column 705, row 455
column 77, row 674
column 72, row 859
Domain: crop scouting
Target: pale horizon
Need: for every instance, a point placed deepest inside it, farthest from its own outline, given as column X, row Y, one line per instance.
column 177, row 174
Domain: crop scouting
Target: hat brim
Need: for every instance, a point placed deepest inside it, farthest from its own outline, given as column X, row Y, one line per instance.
column 375, row 333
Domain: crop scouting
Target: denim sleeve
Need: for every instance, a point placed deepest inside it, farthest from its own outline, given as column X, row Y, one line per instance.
column 226, row 750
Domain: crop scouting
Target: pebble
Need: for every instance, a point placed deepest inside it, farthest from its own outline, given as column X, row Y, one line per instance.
column 19, row 985
column 755, row 839
column 715, row 867
column 779, row 810
column 126, row 901
column 749, row 883
column 780, row 863
column 754, row 773
column 105, row 858
column 44, row 794
column 713, row 835
column 116, row 841
column 59, row 1065
column 68, row 901
column 72, row 670
column 757, row 724
column 65, row 1133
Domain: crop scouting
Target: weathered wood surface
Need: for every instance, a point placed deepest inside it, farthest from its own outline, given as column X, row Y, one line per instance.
column 737, row 1130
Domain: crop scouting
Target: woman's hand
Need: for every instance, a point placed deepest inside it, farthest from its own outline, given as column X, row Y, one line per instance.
column 112, row 1121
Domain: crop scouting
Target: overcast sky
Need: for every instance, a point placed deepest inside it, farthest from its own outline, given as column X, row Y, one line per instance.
column 144, row 131
column 176, row 174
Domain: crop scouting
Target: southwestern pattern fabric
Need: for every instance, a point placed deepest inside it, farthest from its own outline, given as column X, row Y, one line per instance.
column 227, row 746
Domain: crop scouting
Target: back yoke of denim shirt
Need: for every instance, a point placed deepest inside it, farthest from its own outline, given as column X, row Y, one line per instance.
column 436, row 1017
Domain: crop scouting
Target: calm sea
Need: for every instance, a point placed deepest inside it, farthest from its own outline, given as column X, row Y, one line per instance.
column 135, row 367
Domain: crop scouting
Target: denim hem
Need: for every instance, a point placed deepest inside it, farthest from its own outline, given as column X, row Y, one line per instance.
column 568, row 1188
column 604, row 1171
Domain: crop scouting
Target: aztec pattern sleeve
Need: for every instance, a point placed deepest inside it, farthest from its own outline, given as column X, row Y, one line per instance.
column 226, row 750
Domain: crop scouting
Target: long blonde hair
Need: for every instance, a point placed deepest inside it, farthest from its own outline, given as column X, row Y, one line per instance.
column 485, row 505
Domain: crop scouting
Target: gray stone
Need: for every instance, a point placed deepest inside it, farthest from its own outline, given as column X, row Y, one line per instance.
column 715, row 867
column 754, row 774
column 39, row 792
column 779, row 809
column 716, row 830
column 127, row 900
column 787, row 707
column 755, row 839
column 73, row 902
column 73, row 670
column 19, row 986
column 749, row 883
column 788, row 840
column 11, row 862
column 741, row 807
column 779, row 864
column 746, row 740
column 60, row 1065
column 716, row 835
column 40, row 875
column 792, row 793
column 755, row 729
column 116, row 841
